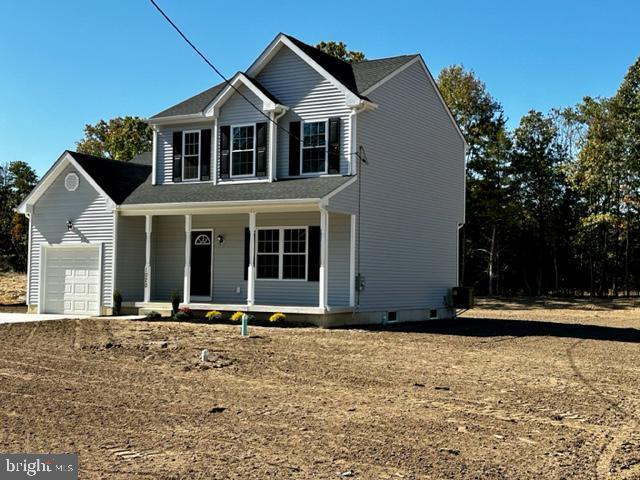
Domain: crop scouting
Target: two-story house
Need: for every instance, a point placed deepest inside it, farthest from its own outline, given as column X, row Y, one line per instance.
column 329, row 191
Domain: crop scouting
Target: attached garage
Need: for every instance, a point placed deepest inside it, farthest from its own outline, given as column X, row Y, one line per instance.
column 71, row 279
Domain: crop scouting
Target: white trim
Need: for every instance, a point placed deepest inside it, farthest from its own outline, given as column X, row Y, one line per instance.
column 184, row 155
column 148, row 228
column 177, row 119
column 352, row 263
column 420, row 60
column 45, row 247
column 324, row 259
column 154, row 155
column 326, row 148
column 214, row 153
column 251, row 277
column 244, row 175
column 281, row 253
column 275, row 45
column 28, row 299
column 273, row 138
column 200, row 297
column 186, row 293
column 114, row 249
column 213, row 108
column 244, row 206
column 50, row 177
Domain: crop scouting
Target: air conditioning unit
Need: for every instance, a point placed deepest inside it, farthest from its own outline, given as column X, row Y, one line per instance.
column 462, row 297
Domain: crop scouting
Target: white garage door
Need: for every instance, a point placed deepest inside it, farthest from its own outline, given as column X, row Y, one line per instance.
column 72, row 280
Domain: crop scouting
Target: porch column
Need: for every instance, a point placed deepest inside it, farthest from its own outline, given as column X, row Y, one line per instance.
column 251, row 278
column 324, row 257
column 148, row 226
column 187, row 260
column 352, row 263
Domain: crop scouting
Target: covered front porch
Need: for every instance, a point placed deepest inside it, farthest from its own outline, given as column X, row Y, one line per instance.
column 296, row 260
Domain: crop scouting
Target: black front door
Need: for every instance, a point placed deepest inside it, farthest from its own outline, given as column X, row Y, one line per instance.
column 201, row 243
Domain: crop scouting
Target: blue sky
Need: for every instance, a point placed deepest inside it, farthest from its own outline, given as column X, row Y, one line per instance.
column 67, row 63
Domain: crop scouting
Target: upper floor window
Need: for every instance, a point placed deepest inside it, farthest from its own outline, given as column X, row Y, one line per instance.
column 242, row 151
column 191, row 163
column 314, row 147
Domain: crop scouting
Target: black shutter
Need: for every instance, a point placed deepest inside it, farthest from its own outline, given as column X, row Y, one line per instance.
column 177, row 156
column 247, row 241
column 225, row 134
column 205, row 154
column 262, row 136
column 314, row 254
column 334, row 145
column 294, row 149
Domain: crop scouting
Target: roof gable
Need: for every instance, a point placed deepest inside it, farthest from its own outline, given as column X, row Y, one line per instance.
column 269, row 101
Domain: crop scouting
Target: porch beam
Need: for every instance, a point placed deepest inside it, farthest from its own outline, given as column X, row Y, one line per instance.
column 148, row 227
column 186, row 294
column 352, row 263
column 324, row 258
column 251, row 278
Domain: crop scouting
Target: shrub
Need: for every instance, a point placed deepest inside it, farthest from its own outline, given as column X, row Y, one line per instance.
column 236, row 317
column 182, row 316
column 153, row 315
column 277, row 317
column 187, row 311
column 175, row 302
column 117, row 302
column 213, row 315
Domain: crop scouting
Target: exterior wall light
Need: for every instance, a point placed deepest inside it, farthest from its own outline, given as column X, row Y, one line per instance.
column 69, row 225
column 220, row 239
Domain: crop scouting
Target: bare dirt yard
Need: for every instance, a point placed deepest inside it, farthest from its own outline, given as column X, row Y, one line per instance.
column 543, row 389
column 13, row 289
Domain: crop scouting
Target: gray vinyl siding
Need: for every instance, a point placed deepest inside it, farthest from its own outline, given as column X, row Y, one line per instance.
column 412, row 195
column 309, row 96
column 164, row 166
column 92, row 221
column 167, row 256
column 345, row 201
column 228, row 259
column 130, row 258
column 237, row 111
column 339, row 246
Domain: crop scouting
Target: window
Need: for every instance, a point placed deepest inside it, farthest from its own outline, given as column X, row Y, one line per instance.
column 314, row 147
column 242, row 151
column 282, row 254
column 191, row 163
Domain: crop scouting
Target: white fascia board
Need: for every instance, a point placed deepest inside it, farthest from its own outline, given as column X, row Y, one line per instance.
column 49, row 177
column 283, row 205
column 190, row 118
column 277, row 43
column 212, row 109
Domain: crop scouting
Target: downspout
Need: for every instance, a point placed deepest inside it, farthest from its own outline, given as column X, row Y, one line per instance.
column 276, row 115
column 28, row 215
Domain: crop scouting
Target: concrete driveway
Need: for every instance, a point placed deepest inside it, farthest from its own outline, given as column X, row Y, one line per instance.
column 40, row 317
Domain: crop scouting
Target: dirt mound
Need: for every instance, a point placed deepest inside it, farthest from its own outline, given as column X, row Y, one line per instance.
column 13, row 288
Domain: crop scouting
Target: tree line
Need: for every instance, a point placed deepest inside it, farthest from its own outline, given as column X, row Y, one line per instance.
column 552, row 205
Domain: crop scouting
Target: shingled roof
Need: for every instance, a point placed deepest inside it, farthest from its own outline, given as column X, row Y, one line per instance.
column 357, row 77
column 129, row 183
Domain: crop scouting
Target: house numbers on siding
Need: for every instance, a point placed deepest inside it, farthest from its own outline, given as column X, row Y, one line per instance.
column 71, row 182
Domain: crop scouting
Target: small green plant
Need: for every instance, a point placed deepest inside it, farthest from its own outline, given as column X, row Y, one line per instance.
column 213, row 316
column 182, row 316
column 175, row 302
column 277, row 317
column 117, row 302
column 153, row 315
column 236, row 317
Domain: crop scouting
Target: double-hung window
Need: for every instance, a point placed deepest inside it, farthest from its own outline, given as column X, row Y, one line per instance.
column 282, row 253
column 191, row 163
column 314, row 147
column 243, row 160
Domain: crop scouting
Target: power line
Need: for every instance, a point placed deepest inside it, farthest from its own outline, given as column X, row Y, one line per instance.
column 213, row 67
